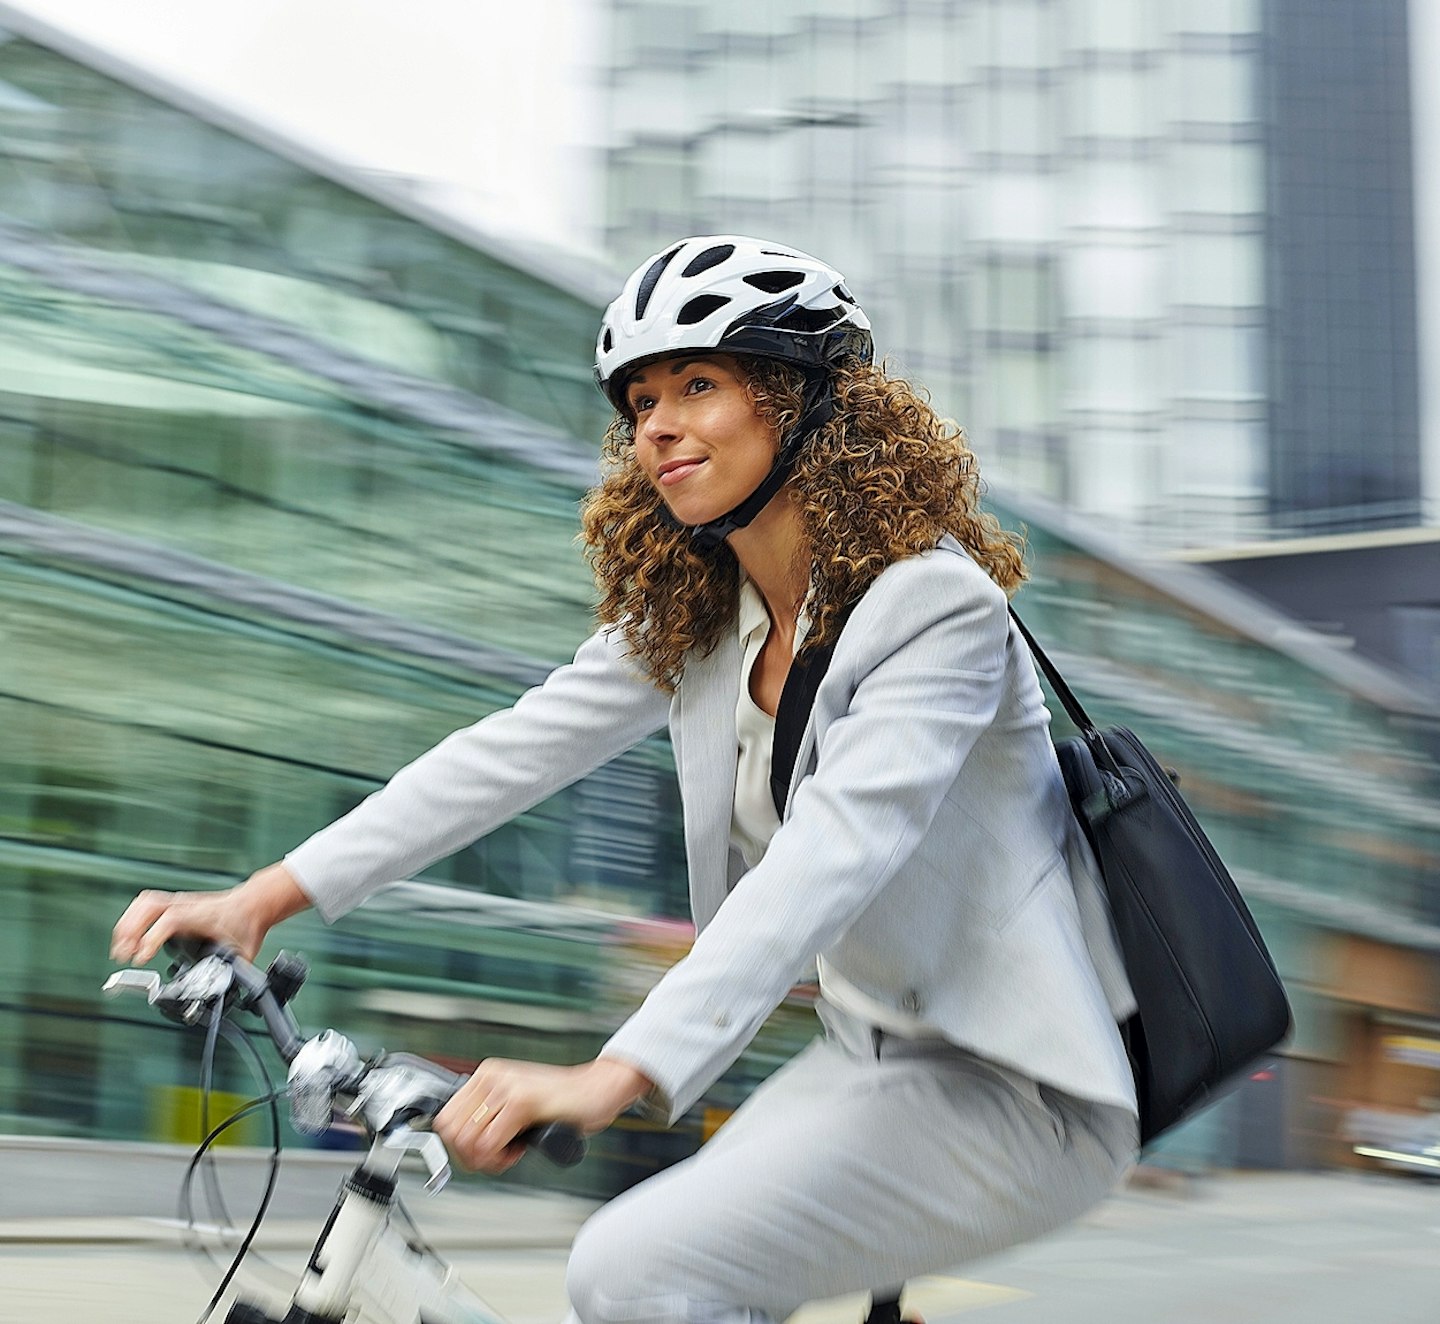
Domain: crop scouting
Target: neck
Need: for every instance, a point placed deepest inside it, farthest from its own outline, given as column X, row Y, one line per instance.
column 773, row 552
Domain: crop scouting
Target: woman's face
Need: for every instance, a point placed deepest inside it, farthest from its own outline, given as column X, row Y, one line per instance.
column 698, row 437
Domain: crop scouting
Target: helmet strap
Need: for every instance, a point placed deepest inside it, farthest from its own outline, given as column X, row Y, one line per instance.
column 817, row 409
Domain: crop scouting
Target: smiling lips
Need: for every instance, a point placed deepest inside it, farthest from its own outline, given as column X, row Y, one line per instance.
column 675, row 471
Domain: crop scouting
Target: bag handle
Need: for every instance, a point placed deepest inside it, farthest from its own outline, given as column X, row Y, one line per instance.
column 1073, row 708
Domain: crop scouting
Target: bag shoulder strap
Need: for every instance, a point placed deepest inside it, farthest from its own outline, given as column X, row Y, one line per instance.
column 1074, row 710
column 792, row 715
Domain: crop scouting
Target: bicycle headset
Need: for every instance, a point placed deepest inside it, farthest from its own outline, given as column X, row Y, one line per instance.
column 741, row 296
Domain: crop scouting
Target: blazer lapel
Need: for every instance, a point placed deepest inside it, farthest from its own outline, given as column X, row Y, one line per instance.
column 708, row 692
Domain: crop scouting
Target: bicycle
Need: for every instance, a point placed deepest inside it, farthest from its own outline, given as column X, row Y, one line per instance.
column 393, row 1096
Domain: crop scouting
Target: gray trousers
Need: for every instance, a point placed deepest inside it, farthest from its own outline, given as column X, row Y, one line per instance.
column 866, row 1161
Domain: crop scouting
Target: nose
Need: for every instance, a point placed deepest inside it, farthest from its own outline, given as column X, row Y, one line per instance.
column 662, row 423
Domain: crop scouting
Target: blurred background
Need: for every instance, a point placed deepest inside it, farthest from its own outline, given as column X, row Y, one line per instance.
column 297, row 314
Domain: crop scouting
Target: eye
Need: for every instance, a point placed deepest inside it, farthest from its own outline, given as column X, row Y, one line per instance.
column 696, row 384
column 639, row 403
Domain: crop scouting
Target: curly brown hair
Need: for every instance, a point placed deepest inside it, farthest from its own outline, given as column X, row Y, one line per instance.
column 884, row 479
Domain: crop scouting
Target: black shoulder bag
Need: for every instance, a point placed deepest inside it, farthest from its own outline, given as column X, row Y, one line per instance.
column 1210, row 1000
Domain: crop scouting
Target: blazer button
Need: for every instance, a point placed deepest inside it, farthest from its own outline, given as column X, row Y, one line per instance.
column 912, row 1001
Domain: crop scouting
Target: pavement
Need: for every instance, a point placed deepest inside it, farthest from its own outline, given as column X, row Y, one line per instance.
column 1282, row 1248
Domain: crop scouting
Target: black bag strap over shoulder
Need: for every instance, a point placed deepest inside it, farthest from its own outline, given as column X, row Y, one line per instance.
column 1074, row 710
column 792, row 715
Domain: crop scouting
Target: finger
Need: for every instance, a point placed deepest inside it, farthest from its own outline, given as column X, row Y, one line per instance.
column 139, row 915
column 451, row 1120
column 157, row 935
column 492, row 1144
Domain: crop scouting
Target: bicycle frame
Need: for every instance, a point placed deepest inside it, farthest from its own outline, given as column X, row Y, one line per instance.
column 361, row 1250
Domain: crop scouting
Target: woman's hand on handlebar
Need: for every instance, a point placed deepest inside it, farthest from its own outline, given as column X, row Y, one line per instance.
column 504, row 1098
column 239, row 917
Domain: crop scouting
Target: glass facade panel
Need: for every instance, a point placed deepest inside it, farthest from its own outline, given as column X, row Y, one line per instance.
column 1217, row 178
column 1219, row 270
column 1220, row 362
column 1111, row 25
column 1111, row 373
column 1021, row 296
column 1019, row 33
column 1113, row 281
column 1217, row 17
column 1015, row 119
column 1216, row 87
column 1024, row 390
column 1112, row 103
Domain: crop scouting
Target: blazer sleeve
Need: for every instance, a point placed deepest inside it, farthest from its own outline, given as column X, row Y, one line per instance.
column 584, row 714
column 930, row 671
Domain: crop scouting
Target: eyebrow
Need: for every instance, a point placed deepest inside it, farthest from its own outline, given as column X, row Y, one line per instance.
column 681, row 364
column 677, row 367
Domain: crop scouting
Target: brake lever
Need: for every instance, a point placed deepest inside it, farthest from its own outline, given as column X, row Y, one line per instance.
column 186, row 997
column 133, row 981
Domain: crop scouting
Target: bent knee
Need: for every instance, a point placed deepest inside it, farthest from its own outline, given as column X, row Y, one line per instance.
column 624, row 1269
column 605, row 1270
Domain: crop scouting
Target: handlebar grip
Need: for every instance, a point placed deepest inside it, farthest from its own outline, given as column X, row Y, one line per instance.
column 562, row 1144
column 191, row 950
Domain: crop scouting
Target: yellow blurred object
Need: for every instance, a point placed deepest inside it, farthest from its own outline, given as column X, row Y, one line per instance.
column 712, row 1120
column 175, row 1116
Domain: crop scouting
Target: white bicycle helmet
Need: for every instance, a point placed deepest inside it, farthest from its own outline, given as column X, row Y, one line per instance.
column 743, row 296
column 725, row 291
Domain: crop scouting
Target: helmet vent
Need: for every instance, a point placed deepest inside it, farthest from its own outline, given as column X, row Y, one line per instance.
column 699, row 308
column 711, row 257
column 775, row 252
column 651, row 279
column 609, row 341
column 775, row 282
column 809, row 320
column 841, row 292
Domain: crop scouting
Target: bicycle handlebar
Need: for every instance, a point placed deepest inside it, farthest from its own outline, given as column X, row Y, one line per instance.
column 391, row 1091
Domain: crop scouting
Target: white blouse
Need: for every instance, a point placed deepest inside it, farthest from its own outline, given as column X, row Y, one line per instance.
column 754, row 820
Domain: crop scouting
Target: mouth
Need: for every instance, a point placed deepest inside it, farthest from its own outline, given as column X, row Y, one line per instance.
column 677, row 471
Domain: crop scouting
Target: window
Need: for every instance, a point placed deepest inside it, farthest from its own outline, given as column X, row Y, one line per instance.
column 1022, row 390
column 1110, row 281
column 1219, row 361
column 1220, row 270
column 1113, row 103
column 1217, row 178
column 1112, row 25
column 1020, row 296
column 1216, row 87
column 1111, row 373
column 1015, row 120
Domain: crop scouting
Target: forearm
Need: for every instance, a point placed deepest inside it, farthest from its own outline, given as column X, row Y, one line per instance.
column 482, row 776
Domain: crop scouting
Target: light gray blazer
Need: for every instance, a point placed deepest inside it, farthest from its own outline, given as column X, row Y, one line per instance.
column 927, row 851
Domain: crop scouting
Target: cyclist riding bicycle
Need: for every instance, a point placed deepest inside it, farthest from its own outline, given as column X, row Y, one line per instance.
column 767, row 483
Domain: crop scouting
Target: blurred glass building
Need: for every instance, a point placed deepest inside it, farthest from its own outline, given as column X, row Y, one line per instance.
column 1160, row 258
column 289, row 471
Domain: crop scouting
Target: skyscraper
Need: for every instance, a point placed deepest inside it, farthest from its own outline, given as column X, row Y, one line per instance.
column 1159, row 259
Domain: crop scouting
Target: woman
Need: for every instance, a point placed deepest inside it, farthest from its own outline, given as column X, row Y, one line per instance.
column 764, row 480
